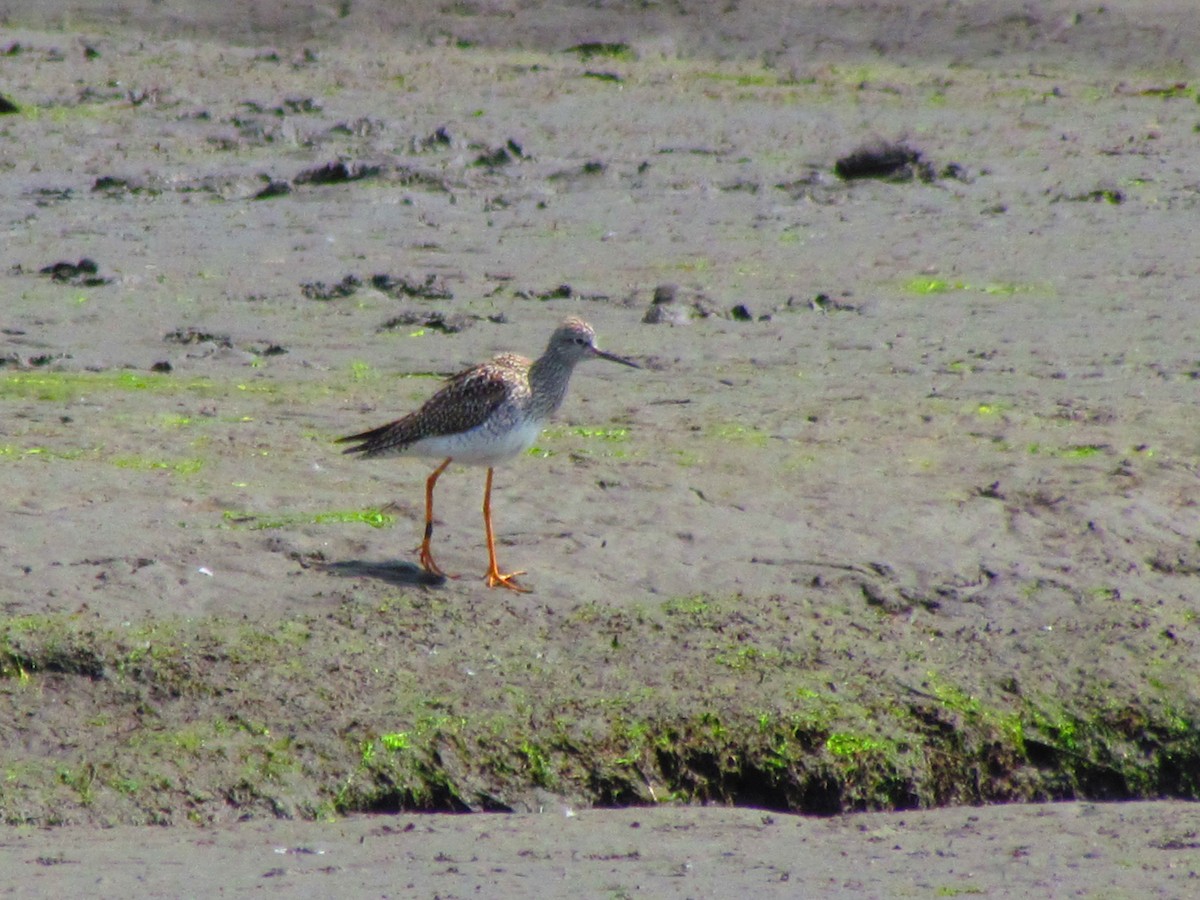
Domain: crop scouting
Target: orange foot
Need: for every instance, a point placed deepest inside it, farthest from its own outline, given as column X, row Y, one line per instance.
column 428, row 564
column 496, row 578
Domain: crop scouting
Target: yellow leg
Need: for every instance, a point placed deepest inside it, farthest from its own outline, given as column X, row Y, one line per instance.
column 427, row 562
column 496, row 578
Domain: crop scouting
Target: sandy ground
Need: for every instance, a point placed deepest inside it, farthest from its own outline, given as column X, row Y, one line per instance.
column 985, row 429
column 1076, row 850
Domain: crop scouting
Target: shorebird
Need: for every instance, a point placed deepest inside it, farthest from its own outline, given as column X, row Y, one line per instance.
column 484, row 416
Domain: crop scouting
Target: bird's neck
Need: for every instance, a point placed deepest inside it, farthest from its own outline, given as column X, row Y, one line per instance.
column 548, row 379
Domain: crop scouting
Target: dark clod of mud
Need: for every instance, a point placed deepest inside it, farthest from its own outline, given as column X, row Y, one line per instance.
column 84, row 273
column 610, row 50
column 188, row 336
column 824, row 303
column 890, row 161
column 115, row 186
column 299, row 105
column 337, row 173
column 439, row 139
column 49, row 196
column 430, row 288
column 501, row 156
column 274, row 188
column 493, row 159
column 1112, row 195
column 319, row 290
column 446, row 323
column 561, row 292
column 7, row 107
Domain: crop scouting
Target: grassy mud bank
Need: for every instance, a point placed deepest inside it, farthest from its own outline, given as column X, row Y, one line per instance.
column 417, row 703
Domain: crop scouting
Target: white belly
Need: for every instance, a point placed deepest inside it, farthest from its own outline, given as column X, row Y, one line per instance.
column 480, row 447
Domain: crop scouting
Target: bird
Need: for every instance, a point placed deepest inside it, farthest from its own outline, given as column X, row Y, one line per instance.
column 484, row 416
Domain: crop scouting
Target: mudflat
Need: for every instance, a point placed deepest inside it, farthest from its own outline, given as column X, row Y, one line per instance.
column 887, row 552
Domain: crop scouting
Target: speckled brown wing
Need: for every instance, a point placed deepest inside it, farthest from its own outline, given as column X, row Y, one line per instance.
column 464, row 402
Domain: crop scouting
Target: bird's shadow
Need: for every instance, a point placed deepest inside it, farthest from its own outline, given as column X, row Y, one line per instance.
column 397, row 573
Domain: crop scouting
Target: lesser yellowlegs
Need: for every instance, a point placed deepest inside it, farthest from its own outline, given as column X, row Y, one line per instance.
column 483, row 416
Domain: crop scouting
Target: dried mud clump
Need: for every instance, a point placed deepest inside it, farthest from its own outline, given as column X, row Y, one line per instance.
column 446, row 323
column 84, row 273
column 336, row 173
column 889, row 161
column 501, row 156
column 430, row 288
column 319, row 290
column 187, row 336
